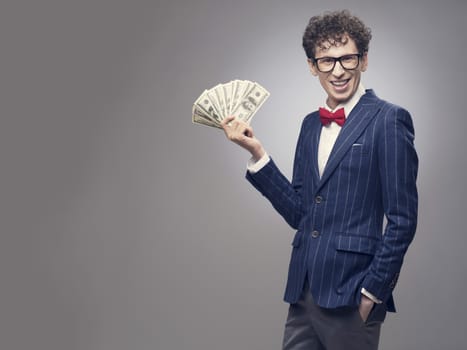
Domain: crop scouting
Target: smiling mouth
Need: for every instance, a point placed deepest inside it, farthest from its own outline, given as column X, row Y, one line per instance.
column 340, row 83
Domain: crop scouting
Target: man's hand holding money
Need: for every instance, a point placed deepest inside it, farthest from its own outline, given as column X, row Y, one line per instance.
column 230, row 107
column 241, row 133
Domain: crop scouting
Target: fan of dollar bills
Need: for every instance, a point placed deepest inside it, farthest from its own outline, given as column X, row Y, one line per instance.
column 240, row 98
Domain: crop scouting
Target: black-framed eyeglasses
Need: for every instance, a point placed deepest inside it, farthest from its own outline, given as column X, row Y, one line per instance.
column 327, row 64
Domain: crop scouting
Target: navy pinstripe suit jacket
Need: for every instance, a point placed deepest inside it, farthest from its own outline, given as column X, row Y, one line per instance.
column 340, row 244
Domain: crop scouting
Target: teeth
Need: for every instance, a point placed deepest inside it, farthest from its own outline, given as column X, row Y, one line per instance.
column 339, row 83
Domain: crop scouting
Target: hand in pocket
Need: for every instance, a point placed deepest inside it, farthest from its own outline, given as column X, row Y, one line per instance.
column 365, row 307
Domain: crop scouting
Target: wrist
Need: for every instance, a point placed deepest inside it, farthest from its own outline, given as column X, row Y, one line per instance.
column 257, row 153
column 367, row 301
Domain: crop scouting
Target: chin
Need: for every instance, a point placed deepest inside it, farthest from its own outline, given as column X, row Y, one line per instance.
column 341, row 98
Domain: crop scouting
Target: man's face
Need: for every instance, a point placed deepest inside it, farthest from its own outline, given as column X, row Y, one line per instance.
column 340, row 84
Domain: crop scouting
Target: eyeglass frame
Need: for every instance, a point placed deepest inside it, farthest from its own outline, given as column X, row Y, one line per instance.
column 337, row 59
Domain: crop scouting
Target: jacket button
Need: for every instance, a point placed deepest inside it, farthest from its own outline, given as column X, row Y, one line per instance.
column 315, row 234
column 318, row 199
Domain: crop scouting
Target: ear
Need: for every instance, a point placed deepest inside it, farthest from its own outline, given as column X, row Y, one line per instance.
column 364, row 62
column 313, row 69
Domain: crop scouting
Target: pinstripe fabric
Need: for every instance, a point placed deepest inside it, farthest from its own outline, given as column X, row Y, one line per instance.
column 340, row 244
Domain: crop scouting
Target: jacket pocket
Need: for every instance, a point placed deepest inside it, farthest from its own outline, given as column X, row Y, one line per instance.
column 357, row 244
column 354, row 254
column 360, row 149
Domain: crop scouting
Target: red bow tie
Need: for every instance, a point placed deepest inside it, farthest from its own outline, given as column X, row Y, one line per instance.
column 328, row 117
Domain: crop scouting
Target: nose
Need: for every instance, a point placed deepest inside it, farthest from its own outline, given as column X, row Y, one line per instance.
column 338, row 69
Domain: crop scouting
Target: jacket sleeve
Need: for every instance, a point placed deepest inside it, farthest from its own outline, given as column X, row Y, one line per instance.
column 398, row 167
column 285, row 197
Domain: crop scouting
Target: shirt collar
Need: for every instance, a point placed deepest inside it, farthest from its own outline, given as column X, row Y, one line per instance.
column 350, row 104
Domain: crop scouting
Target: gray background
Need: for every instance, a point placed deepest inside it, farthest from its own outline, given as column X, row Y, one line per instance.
column 124, row 226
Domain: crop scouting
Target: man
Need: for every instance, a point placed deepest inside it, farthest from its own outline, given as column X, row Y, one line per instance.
column 355, row 164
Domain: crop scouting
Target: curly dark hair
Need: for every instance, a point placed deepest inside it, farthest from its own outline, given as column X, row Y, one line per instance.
column 332, row 28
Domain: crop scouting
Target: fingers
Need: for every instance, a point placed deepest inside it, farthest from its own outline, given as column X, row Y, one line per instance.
column 228, row 125
column 241, row 133
column 235, row 129
column 227, row 120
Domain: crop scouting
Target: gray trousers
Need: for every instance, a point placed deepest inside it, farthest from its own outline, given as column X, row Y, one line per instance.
column 310, row 327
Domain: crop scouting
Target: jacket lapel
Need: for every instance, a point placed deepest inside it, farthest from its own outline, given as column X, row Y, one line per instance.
column 315, row 131
column 365, row 110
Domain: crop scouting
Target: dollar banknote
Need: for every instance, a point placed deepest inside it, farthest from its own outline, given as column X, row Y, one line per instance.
column 239, row 98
